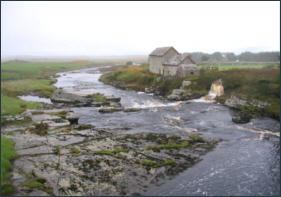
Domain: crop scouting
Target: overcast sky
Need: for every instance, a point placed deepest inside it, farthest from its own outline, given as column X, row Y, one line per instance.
column 137, row 28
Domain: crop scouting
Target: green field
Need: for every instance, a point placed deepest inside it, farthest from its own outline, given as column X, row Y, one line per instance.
column 40, row 70
column 228, row 67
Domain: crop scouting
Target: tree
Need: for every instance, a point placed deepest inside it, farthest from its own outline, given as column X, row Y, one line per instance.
column 205, row 58
column 216, row 56
column 246, row 56
column 231, row 56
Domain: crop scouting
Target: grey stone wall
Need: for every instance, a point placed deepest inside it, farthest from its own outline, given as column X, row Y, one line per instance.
column 155, row 64
column 157, row 61
column 170, row 70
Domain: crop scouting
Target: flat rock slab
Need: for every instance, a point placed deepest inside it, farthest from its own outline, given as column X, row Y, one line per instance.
column 41, row 117
column 24, row 141
column 108, row 164
column 13, row 128
column 81, row 93
column 36, row 150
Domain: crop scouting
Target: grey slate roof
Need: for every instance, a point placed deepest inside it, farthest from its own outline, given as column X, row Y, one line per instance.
column 177, row 59
column 160, row 51
column 189, row 67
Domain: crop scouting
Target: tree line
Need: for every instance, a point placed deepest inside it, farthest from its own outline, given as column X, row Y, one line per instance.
column 247, row 56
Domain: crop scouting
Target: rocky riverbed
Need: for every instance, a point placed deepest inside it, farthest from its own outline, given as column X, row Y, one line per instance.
column 148, row 151
column 76, row 161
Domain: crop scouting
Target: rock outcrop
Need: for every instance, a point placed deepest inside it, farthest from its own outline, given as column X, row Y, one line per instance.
column 176, row 95
column 61, row 96
column 241, row 118
column 156, row 90
column 84, row 99
column 182, row 93
column 95, row 162
column 72, row 117
column 236, row 102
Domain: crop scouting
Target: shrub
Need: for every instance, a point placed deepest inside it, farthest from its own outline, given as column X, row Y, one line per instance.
column 40, row 129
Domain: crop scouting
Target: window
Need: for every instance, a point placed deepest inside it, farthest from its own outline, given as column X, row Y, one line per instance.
column 191, row 73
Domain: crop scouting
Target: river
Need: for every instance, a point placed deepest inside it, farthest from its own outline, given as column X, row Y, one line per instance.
column 246, row 162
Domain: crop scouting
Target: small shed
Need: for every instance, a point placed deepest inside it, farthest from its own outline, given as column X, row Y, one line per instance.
column 186, row 70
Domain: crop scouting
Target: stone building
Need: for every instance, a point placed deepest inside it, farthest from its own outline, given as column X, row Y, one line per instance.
column 168, row 61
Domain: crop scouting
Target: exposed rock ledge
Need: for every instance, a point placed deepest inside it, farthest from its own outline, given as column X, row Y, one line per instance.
column 84, row 98
column 235, row 102
column 178, row 94
column 96, row 162
column 239, row 103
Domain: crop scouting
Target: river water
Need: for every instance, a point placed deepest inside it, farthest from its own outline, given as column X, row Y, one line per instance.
column 246, row 162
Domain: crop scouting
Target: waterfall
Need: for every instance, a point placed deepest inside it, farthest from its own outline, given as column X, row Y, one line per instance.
column 215, row 90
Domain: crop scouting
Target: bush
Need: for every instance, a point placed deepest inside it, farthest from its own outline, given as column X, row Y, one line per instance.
column 40, row 129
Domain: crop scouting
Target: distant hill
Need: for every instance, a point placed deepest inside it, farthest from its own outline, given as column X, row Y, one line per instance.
column 15, row 62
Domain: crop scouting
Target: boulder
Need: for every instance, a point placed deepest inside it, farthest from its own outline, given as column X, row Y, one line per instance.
column 241, row 118
column 150, row 90
column 61, row 96
column 176, row 95
column 160, row 90
column 185, row 84
column 72, row 117
column 115, row 104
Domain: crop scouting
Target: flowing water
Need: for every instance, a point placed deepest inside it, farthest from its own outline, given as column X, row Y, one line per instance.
column 246, row 162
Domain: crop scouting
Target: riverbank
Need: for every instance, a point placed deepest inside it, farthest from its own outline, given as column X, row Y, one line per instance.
column 23, row 78
column 253, row 85
column 244, row 149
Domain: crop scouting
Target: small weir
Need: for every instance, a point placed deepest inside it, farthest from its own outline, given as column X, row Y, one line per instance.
column 215, row 90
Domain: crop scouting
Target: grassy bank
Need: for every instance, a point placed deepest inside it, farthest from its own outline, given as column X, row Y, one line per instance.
column 138, row 78
column 7, row 153
column 252, row 84
column 20, row 77
column 260, row 84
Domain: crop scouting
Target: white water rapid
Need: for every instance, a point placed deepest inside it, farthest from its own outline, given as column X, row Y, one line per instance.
column 215, row 90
